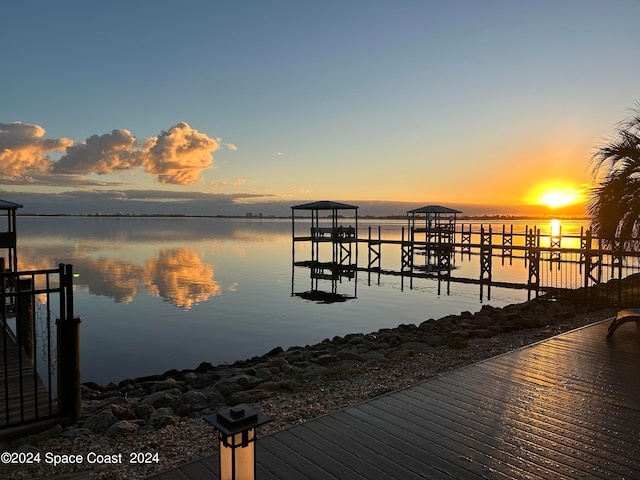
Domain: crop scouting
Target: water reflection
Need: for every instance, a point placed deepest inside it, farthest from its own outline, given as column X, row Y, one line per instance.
column 238, row 272
column 178, row 275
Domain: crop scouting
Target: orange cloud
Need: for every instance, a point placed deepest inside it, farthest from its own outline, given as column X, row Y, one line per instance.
column 176, row 156
column 179, row 155
column 101, row 154
column 23, row 149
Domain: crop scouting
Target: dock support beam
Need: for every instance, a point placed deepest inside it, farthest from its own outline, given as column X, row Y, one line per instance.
column 69, row 397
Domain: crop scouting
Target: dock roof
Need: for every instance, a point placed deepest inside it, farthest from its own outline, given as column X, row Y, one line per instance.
column 434, row 209
column 325, row 205
column 5, row 205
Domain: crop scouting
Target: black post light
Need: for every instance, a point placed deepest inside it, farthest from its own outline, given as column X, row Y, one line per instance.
column 237, row 435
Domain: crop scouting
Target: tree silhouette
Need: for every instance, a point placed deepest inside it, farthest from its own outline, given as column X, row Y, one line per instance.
column 614, row 203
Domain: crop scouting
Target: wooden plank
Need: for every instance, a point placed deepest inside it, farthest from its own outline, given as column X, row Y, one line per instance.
column 516, row 431
column 27, row 398
column 468, row 443
column 197, row 471
column 295, row 464
column 175, row 474
column 562, row 420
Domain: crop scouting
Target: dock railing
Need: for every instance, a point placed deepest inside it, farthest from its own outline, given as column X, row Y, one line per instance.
column 39, row 339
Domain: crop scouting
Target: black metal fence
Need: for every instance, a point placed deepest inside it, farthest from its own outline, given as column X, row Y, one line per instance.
column 40, row 372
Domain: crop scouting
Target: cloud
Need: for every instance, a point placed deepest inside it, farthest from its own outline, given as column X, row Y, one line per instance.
column 54, row 180
column 101, row 154
column 24, row 149
column 132, row 201
column 240, row 181
column 177, row 156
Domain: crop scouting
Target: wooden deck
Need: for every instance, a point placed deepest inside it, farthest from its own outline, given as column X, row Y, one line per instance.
column 36, row 397
column 565, row 408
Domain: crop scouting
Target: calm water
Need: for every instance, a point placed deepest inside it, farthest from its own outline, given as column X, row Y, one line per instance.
column 163, row 293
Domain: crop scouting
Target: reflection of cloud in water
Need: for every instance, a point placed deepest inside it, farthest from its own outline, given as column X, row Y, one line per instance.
column 113, row 278
column 177, row 275
column 180, row 276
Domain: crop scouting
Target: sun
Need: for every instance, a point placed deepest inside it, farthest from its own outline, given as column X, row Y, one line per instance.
column 556, row 199
column 555, row 195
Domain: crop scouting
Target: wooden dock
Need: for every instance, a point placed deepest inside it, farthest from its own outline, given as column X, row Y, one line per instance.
column 564, row 408
column 18, row 380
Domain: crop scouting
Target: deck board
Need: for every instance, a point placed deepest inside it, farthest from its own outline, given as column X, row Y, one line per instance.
column 564, row 408
column 36, row 402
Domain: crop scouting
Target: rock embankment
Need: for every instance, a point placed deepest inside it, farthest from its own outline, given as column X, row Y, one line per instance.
column 135, row 406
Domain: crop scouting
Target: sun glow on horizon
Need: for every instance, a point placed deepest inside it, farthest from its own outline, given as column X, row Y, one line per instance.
column 555, row 195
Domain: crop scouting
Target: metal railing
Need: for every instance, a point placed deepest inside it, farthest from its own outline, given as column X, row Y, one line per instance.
column 40, row 373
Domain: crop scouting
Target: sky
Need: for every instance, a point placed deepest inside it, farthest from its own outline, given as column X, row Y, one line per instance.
column 220, row 107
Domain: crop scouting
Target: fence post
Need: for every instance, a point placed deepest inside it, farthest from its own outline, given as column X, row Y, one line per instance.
column 533, row 257
column 69, row 398
column 3, row 287
column 586, row 254
column 25, row 316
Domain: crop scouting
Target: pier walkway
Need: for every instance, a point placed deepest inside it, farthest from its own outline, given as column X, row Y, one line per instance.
column 23, row 395
column 564, row 408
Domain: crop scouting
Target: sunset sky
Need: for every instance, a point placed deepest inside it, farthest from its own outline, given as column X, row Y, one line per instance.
column 202, row 104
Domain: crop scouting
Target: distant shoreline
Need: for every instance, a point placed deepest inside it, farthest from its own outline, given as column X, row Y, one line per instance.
column 501, row 217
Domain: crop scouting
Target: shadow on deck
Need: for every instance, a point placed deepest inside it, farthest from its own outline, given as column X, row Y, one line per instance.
column 564, row 408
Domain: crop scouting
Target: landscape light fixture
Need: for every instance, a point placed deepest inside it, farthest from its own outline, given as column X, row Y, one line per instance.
column 236, row 436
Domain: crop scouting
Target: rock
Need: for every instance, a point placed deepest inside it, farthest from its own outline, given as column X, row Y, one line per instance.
column 247, row 382
column 349, row 355
column 280, row 386
column 274, row 352
column 485, row 333
column 314, row 370
column 204, row 367
column 325, row 359
column 249, row 396
column 288, row 369
column 100, row 422
column 162, row 417
column 167, row 384
column 295, row 357
column 184, row 410
column 143, row 411
column 214, row 397
column 121, row 429
column 461, row 333
column 163, row 398
column 419, row 347
column 204, row 379
column 227, row 387
column 121, row 401
column 197, row 399
column 435, row 341
column 74, row 432
column 263, row 374
column 121, row 412
column 373, row 358
column 190, row 377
